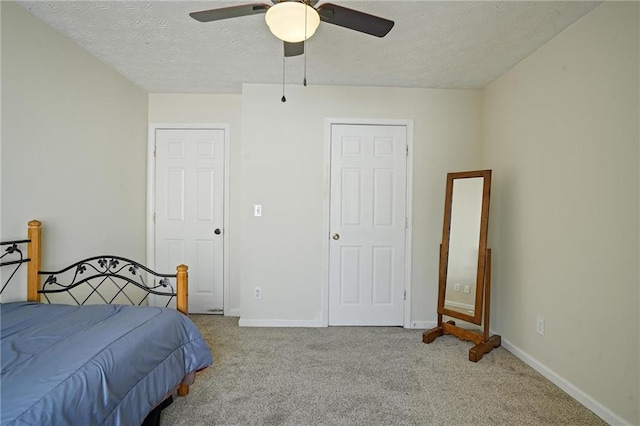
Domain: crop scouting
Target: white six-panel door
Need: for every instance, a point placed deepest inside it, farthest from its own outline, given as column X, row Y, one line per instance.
column 189, row 211
column 367, row 224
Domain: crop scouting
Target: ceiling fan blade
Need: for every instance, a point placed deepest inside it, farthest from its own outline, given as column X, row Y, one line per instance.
column 229, row 12
column 293, row 49
column 354, row 20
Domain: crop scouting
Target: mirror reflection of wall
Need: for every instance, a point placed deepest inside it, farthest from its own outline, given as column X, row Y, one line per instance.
column 464, row 237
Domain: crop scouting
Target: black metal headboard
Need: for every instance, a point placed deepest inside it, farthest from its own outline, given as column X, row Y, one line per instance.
column 115, row 276
column 14, row 256
column 94, row 280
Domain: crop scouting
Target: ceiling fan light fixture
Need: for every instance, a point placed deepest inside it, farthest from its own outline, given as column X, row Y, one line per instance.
column 286, row 20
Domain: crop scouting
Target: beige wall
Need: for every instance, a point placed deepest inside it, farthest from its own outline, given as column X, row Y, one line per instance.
column 73, row 146
column 280, row 163
column 284, row 169
column 212, row 109
column 561, row 133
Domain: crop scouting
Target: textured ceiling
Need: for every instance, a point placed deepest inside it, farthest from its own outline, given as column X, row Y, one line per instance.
column 434, row 44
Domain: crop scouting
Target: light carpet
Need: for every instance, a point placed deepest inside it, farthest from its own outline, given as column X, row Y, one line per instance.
column 363, row 376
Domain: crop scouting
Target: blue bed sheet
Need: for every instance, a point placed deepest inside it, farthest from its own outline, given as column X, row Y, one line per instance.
column 92, row 365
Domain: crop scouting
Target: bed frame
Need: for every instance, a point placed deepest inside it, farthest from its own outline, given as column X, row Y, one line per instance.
column 95, row 271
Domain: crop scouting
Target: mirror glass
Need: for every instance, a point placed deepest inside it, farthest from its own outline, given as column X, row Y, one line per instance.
column 464, row 239
column 464, row 245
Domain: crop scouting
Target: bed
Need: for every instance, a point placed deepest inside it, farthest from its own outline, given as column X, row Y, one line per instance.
column 106, row 358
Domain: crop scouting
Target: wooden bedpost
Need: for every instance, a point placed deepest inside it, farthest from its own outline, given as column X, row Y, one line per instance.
column 34, row 251
column 182, row 284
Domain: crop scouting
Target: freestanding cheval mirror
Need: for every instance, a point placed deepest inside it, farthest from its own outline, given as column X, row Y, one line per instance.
column 464, row 285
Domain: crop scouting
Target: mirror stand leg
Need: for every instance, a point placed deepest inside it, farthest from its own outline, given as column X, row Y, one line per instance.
column 477, row 352
column 433, row 333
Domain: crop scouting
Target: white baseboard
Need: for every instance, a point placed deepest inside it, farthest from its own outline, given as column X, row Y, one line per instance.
column 313, row 323
column 422, row 324
column 600, row 410
column 279, row 323
column 460, row 305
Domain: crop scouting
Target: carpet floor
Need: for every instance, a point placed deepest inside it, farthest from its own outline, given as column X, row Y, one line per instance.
column 363, row 376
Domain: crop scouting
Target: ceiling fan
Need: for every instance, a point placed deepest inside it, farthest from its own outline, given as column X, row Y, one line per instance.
column 294, row 21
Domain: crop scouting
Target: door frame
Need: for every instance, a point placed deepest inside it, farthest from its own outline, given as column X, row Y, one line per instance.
column 408, row 124
column 151, row 197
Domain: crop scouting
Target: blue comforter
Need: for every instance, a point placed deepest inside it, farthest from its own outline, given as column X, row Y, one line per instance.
column 92, row 365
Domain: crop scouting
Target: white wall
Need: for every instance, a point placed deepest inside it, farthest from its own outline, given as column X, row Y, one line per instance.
column 213, row 109
column 561, row 134
column 73, row 147
column 284, row 169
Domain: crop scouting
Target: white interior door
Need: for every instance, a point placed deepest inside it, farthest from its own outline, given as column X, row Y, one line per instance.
column 189, row 211
column 367, row 224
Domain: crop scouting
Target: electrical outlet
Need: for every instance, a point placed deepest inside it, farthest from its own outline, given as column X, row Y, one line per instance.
column 257, row 292
column 540, row 326
column 467, row 288
column 456, row 286
column 257, row 210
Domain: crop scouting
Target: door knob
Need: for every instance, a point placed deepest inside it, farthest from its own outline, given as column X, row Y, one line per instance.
column 336, row 236
column 217, row 231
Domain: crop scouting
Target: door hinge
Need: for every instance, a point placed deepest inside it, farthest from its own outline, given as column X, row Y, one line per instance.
column 154, row 218
column 154, row 151
column 406, row 222
column 405, row 295
column 407, row 146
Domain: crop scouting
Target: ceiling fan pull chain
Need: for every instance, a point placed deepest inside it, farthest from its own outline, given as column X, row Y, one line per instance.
column 304, row 44
column 283, row 99
column 304, row 80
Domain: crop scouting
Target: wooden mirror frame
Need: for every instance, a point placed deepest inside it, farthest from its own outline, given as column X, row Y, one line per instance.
column 482, row 246
column 481, row 313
